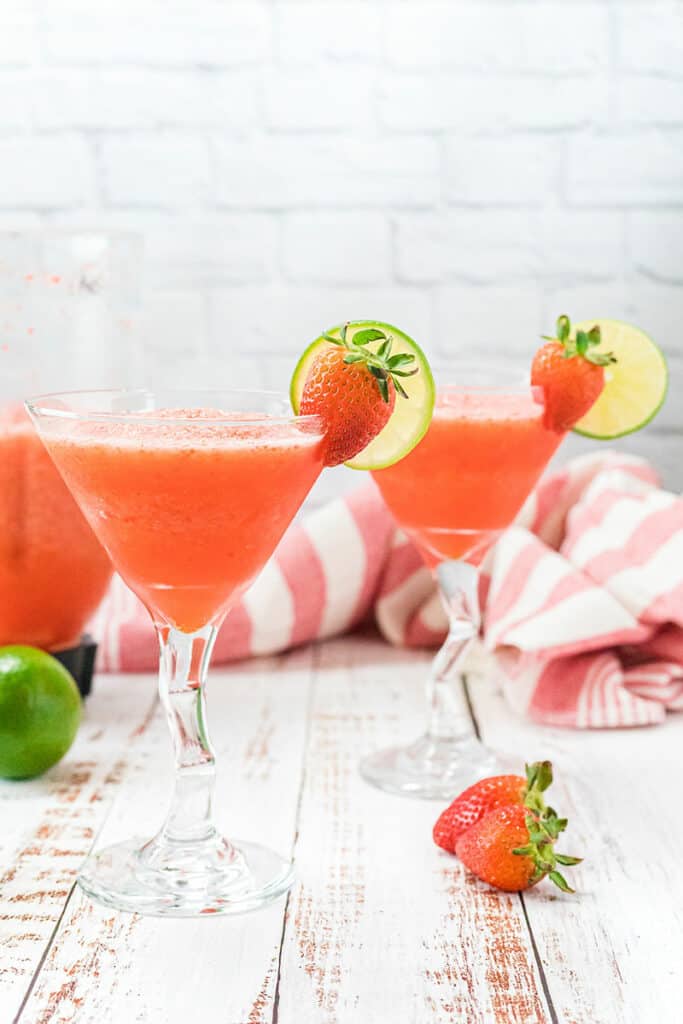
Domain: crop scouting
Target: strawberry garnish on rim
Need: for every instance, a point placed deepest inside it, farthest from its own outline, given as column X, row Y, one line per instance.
column 384, row 367
column 570, row 373
column 353, row 388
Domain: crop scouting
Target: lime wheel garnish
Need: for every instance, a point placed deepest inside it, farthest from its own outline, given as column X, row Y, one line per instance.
column 369, row 381
column 635, row 382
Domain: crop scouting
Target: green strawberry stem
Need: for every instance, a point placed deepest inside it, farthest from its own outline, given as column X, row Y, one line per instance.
column 543, row 822
column 539, row 849
column 381, row 364
column 539, row 777
column 582, row 345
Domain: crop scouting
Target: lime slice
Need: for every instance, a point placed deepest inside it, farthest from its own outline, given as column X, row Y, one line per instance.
column 635, row 386
column 411, row 417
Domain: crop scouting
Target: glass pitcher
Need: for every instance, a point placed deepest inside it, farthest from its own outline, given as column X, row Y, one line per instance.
column 68, row 303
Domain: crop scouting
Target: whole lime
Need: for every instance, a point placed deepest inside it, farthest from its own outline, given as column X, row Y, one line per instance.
column 40, row 710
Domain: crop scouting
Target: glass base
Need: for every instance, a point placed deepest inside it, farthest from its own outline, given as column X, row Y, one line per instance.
column 165, row 878
column 433, row 769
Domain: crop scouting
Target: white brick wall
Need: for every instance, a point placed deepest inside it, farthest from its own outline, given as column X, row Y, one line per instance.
column 155, row 170
column 466, row 168
column 45, row 172
column 350, row 249
column 156, row 33
column 149, row 100
column 278, row 173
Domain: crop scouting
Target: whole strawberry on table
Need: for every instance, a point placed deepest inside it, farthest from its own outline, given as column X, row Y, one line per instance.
column 504, row 832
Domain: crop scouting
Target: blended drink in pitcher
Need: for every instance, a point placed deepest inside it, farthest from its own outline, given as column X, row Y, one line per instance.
column 53, row 571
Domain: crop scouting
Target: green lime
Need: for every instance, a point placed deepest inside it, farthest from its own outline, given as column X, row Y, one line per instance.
column 40, row 710
column 635, row 385
column 408, row 422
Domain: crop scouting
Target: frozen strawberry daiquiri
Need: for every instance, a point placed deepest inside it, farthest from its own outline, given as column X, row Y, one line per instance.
column 189, row 504
column 458, row 489
column 466, row 481
column 189, row 493
column 53, row 571
column 490, row 438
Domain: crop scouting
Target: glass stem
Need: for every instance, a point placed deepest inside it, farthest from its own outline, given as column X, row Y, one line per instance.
column 182, row 674
column 449, row 717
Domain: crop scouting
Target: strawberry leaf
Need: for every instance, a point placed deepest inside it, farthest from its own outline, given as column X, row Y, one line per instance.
column 543, row 828
column 581, row 343
column 560, row 881
column 539, row 776
column 563, row 328
column 380, row 363
column 600, row 358
column 402, row 359
column 367, row 335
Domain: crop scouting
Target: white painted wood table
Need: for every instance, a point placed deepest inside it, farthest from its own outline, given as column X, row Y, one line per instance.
column 381, row 926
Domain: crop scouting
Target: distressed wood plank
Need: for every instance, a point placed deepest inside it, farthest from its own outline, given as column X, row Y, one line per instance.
column 105, row 967
column 383, row 926
column 49, row 824
column 612, row 953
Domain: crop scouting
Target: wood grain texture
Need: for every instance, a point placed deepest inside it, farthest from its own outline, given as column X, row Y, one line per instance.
column 381, row 926
column 107, row 968
column 49, row 826
column 612, row 953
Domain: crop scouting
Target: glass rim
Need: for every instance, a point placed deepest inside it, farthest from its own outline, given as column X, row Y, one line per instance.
column 39, row 405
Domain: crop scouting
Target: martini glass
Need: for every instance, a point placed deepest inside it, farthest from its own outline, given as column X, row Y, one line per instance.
column 189, row 493
column 454, row 494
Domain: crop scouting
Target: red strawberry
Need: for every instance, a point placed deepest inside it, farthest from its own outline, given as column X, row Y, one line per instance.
column 512, row 849
column 484, row 796
column 570, row 373
column 353, row 389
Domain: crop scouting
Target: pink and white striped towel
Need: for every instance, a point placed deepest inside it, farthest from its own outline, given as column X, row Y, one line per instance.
column 583, row 596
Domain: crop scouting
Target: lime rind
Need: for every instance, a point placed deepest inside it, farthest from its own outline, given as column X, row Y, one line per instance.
column 636, row 385
column 296, row 384
column 410, row 419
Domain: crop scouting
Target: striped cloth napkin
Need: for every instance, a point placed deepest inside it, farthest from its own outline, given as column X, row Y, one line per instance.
column 582, row 598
